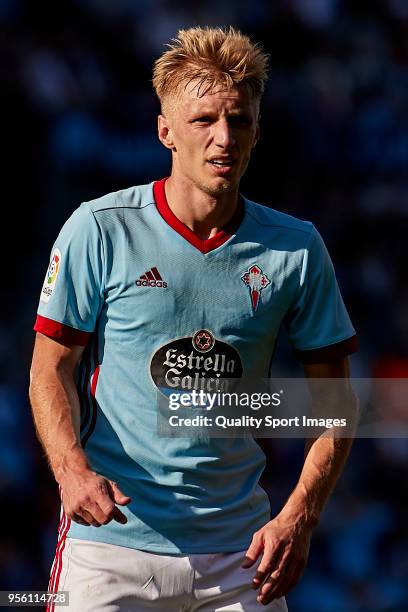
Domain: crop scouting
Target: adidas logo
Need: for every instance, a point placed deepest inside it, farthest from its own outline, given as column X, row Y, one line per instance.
column 151, row 278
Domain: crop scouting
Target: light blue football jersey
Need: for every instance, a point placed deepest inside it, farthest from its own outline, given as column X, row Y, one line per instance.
column 147, row 297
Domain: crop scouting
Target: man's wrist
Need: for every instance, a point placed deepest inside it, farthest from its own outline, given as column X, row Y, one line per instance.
column 301, row 509
column 73, row 460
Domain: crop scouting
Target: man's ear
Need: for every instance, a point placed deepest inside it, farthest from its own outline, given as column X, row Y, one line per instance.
column 165, row 133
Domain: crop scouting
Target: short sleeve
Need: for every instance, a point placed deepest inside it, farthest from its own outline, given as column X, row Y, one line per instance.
column 72, row 294
column 318, row 323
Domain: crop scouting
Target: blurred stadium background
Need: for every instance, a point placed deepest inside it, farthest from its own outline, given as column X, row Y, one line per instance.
column 78, row 120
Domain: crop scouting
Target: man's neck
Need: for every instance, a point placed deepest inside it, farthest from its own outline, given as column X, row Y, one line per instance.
column 204, row 214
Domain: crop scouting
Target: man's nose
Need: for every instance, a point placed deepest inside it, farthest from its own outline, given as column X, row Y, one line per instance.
column 223, row 134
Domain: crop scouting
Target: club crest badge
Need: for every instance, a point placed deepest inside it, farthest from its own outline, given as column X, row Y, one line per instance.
column 256, row 281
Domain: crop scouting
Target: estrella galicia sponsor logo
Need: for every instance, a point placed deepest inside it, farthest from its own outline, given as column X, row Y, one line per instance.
column 195, row 362
column 255, row 279
column 51, row 276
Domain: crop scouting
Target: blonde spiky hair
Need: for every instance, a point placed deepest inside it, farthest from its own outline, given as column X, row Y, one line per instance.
column 210, row 57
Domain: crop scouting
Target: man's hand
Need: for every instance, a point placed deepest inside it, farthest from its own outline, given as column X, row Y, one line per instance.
column 284, row 544
column 89, row 499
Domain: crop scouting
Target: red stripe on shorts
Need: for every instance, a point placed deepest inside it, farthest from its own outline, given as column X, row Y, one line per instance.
column 63, row 541
column 57, row 565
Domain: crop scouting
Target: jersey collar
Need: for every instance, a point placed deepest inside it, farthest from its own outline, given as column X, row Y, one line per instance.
column 205, row 246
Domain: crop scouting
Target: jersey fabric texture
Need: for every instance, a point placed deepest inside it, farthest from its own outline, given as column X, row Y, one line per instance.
column 137, row 287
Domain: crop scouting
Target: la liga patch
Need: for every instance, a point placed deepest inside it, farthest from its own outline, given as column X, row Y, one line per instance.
column 51, row 276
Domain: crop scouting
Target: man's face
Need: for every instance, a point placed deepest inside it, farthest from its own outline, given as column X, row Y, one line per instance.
column 211, row 136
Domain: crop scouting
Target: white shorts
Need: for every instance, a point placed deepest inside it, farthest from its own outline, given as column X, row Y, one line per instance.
column 107, row 578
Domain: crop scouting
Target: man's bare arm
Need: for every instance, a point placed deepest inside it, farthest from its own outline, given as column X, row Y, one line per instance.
column 88, row 498
column 284, row 542
column 326, row 455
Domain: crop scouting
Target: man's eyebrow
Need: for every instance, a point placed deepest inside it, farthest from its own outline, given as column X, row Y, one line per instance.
column 202, row 111
column 208, row 112
column 239, row 111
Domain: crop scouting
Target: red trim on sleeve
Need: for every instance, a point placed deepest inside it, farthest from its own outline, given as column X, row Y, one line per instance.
column 328, row 353
column 60, row 332
column 205, row 246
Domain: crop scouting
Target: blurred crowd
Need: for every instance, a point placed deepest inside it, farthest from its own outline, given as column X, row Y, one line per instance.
column 78, row 120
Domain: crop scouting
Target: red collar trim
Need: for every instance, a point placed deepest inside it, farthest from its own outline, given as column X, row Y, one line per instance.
column 205, row 246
